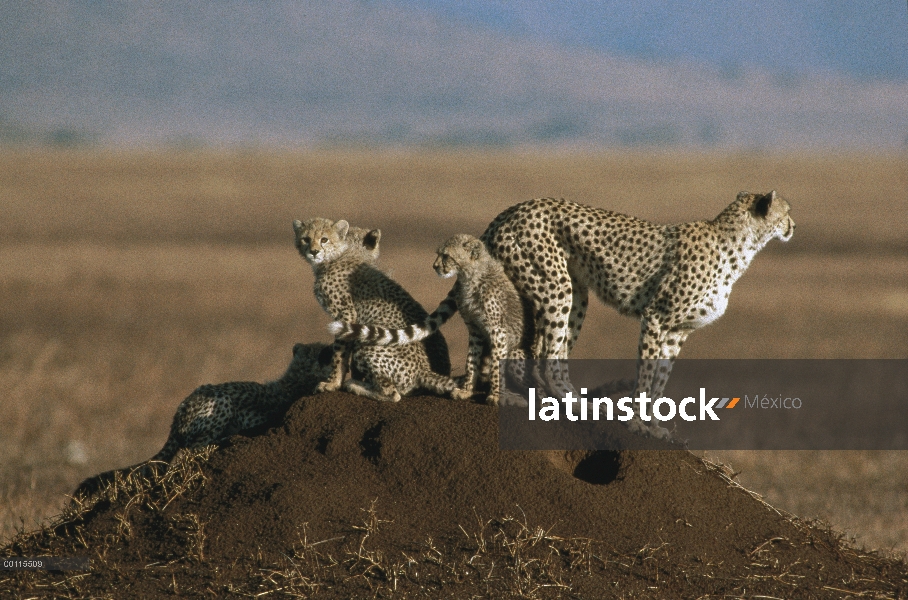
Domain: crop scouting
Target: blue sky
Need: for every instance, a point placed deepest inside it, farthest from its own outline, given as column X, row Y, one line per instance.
column 458, row 72
column 867, row 39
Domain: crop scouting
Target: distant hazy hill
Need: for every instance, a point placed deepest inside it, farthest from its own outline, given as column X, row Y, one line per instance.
column 346, row 71
column 867, row 39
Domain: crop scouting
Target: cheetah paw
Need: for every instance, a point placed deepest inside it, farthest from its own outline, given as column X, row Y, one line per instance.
column 327, row 386
column 639, row 427
column 461, row 394
column 612, row 387
column 511, row 399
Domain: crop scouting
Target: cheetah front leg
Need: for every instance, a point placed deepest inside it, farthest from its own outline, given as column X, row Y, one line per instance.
column 340, row 308
column 659, row 346
column 340, row 359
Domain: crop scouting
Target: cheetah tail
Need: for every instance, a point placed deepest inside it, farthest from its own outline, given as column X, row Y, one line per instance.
column 166, row 454
column 111, row 482
column 381, row 336
column 97, row 484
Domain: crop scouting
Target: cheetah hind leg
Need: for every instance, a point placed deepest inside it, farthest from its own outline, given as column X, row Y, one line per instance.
column 477, row 353
column 386, row 393
column 497, row 374
column 580, row 298
column 442, row 385
column 515, row 379
column 557, row 376
column 553, row 376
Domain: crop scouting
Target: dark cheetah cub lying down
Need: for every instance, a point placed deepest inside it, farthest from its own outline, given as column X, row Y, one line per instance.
column 488, row 302
column 213, row 413
column 349, row 287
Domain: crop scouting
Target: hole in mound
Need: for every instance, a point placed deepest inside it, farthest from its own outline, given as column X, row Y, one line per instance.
column 321, row 444
column 371, row 444
column 599, row 467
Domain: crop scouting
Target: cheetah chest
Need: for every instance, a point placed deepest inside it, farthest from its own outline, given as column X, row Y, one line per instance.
column 710, row 307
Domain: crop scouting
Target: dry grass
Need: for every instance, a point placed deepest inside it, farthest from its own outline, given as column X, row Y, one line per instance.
column 135, row 492
column 126, row 280
column 506, row 558
column 863, row 493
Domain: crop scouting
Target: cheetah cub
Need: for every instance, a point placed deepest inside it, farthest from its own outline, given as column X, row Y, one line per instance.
column 213, row 413
column 488, row 302
column 350, row 287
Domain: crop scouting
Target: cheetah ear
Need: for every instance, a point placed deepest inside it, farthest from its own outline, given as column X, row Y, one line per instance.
column 297, row 348
column 370, row 241
column 341, row 227
column 762, row 204
column 297, row 225
column 326, row 356
column 475, row 248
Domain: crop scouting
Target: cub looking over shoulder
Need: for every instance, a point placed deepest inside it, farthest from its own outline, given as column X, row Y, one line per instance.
column 349, row 286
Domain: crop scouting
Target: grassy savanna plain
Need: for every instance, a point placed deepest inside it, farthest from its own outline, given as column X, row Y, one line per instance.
column 128, row 279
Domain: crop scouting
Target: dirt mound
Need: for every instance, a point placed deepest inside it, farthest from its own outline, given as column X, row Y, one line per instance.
column 353, row 498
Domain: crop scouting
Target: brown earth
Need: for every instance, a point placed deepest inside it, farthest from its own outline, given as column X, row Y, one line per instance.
column 352, row 498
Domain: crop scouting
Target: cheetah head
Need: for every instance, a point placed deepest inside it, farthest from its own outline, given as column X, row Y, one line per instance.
column 320, row 240
column 457, row 254
column 769, row 215
column 313, row 356
column 311, row 364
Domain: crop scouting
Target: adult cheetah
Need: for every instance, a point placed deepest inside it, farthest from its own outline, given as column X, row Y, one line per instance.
column 489, row 304
column 214, row 412
column 349, row 287
column 675, row 278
